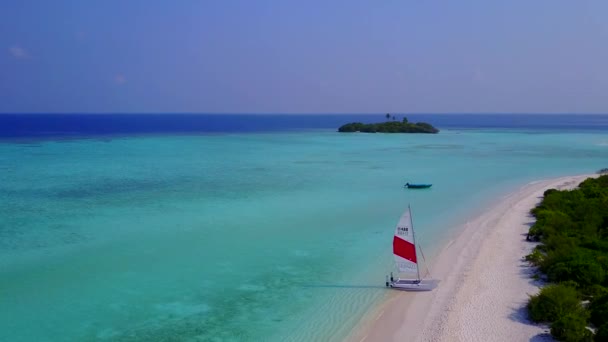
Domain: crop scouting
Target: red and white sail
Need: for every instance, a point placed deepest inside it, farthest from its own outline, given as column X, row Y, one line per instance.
column 404, row 248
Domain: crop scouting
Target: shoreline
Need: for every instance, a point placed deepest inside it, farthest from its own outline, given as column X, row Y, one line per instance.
column 484, row 282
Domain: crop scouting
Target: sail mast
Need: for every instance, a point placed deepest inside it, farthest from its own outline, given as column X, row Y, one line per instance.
column 414, row 238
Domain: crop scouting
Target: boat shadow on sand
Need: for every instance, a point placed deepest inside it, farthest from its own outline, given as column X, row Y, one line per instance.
column 344, row 286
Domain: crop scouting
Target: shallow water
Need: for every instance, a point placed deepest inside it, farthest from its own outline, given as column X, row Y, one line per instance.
column 232, row 237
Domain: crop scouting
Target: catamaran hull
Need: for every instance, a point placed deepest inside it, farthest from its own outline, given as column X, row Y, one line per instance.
column 413, row 285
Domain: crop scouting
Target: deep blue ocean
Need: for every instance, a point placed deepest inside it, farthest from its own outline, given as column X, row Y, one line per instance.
column 77, row 125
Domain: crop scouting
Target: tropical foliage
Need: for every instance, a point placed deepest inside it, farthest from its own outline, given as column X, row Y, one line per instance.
column 572, row 227
column 554, row 302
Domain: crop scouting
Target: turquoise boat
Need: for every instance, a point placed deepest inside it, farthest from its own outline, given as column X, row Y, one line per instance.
column 417, row 186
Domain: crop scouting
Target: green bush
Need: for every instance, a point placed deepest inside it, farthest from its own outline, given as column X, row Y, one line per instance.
column 536, row 257
column 572, row 227
column 599, row 311
column 584, row 272
column 596, row 291
column 571, row 327
column 601, row 335
column 569, row 283
column 549, row 191
column 554, row 302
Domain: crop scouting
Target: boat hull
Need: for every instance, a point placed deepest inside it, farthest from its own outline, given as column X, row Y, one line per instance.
column 418, row 186
column 414, row 285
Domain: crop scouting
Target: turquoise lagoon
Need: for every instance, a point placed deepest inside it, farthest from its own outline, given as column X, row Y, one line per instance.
column 239, row 237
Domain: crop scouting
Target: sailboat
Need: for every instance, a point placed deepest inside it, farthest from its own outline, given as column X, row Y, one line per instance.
column 406, row 258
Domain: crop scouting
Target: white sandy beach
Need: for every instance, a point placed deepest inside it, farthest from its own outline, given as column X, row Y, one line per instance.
column 484, row 282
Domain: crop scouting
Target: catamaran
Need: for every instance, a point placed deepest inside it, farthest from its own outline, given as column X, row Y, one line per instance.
column 406, row 258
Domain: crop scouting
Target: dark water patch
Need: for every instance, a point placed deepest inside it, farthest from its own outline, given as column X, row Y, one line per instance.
column 257, row 169
column 41, row 154
column 71, row 237
column 314, row 162
column 388, row 149
column 70, row 140
column 22, row 141
column 439, row 147
column 34, row 228
column 78, row 126
column 110, row 186
column 252, row 182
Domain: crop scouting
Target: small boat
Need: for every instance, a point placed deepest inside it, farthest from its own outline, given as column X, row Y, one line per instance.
column 417, row 186
column 406, row 258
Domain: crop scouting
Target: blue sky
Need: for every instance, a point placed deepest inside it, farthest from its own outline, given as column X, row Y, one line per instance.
column 239, row 56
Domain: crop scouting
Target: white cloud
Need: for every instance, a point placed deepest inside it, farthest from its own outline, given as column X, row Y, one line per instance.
column 120, row 79
column 18, row 52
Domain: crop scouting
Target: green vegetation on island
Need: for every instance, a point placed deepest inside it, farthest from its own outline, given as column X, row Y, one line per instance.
column 572, row 227
column 389, row 127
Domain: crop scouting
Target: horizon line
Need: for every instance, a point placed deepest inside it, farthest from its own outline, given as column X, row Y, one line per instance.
column 297, row 113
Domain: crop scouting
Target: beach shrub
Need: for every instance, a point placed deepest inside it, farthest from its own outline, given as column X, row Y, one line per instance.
column 536, row 257
column 572, row 227
column 569, row 283
column 548, row 222
column 554, row 302
column 549, row 191
column 599, row 311
column 596, row 291
column 571, row 327
column 601, row 335
column 584, row 272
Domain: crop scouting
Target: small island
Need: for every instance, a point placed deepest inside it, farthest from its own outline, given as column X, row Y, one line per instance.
column 389, row 127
